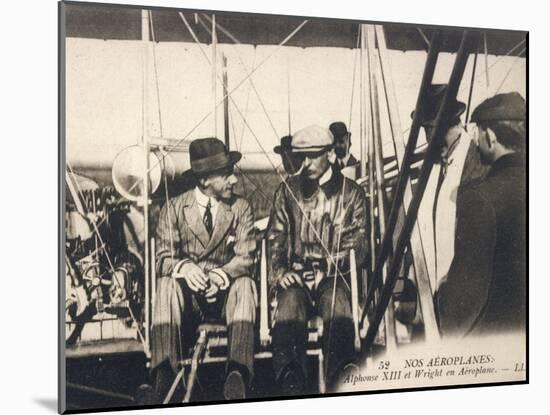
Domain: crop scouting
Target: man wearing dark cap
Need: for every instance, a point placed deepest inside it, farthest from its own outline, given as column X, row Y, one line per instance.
column 347, row 163
column 318, row 216
column 205, row 248
column 485, row 289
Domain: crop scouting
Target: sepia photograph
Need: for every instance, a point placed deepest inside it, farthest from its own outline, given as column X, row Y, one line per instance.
column 261, row 206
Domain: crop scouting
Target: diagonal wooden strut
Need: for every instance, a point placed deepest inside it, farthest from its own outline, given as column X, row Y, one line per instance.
column 434, row 143
column 431, row 330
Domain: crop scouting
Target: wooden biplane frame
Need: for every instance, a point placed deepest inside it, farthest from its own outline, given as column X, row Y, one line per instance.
column 397, row 228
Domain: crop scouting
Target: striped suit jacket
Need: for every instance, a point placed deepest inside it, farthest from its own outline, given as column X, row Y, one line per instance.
column 182, row 236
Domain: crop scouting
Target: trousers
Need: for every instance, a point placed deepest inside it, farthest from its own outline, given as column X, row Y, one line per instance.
column 178, row 311
column 295, row 306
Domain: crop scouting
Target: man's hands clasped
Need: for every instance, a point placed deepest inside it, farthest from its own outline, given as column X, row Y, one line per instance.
column 291, row 278
column 198, row 281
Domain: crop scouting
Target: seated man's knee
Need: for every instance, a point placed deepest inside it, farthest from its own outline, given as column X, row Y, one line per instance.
column 341, row 307
column 241, row 300
column 292, row 304
column 169, row 300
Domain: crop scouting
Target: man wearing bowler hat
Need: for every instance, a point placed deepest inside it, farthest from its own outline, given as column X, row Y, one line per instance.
column 347, row 163
column 485, row 289
column 205, row 248
column 291, row 161
column 318, row 216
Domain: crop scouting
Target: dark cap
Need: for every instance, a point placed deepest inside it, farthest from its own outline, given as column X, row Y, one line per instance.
column 338, row 129
column 501, row 107
column 432, row 102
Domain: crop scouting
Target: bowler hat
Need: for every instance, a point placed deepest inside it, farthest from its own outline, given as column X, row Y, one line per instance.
column 501, row 107
column 432, row 102
column 338, row 129
column 210, row 154
column 284, row 146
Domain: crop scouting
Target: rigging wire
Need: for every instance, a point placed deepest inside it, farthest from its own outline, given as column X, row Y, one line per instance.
column 305, row 216
column 252, row 85
column 509, row 71
column 239, row 84
column 156, row 71
column 353, row 76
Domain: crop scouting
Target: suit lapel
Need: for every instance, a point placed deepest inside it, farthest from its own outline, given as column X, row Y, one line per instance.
column 194, row 220
column 224, row 219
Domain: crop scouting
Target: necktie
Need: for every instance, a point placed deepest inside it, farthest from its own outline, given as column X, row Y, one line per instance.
column 207, row 218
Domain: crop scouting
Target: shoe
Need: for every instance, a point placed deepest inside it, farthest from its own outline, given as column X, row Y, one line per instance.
column 292, row 383
column 343, row 376
column 234, row 387
column 146, row 395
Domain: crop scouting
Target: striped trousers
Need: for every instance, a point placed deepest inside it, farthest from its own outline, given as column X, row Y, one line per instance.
column 178, row 311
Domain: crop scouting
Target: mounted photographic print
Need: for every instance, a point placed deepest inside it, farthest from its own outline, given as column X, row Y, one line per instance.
column 267, row 206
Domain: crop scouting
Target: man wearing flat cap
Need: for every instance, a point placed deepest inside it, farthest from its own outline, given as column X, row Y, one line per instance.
column 318, row 216
column 205, row 248
column 485, row 289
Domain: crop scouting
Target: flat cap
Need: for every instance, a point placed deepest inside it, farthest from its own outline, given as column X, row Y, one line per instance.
column 501, row 107
column 312, row 138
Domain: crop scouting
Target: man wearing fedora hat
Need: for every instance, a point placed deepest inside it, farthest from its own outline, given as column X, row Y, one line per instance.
column 318, row 216
column 452, row 169
column 485, row 289
column 205, row 247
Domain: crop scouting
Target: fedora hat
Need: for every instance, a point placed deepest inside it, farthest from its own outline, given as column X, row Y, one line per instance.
column 432, row 102
column 208, row 155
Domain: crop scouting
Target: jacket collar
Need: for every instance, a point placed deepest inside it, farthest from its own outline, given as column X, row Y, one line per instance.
column 224, row 219
column 330, row 187
column 507, row 161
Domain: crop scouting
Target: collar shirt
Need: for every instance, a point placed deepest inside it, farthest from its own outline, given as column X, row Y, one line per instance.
column 343, row 162
column 202, row 202
column 326, row 176
column 437, row 213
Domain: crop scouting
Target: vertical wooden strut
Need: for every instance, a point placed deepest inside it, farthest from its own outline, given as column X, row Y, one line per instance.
column 225, row 102
column 354, row 299
column 145, row 194
column 431, row 151
column 366, row 160
column 375, row 158
column 431, row 330
column 404, row 174
column 288, row 96
column 214, row 75
column 264, row 310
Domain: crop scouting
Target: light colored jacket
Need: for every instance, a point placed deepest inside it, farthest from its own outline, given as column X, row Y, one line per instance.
column 182, row 236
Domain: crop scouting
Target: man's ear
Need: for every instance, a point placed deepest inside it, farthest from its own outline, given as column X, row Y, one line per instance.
column 331, row 156
column 203, row 181
column 490, row 137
